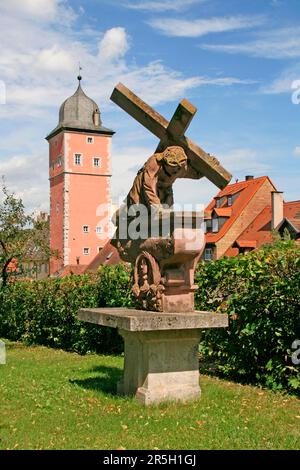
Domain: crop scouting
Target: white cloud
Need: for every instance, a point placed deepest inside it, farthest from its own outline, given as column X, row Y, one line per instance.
column 296, row 151
column 201, row 27
column 243, row 160
column 27, row 177
column 161, row 6
column 274, row 44
column 40, row 10
column 288, row 81
column 32, row 8
column 55, row 59
column 114, row 44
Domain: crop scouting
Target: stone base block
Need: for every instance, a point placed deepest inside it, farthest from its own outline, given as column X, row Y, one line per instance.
column 161, row 365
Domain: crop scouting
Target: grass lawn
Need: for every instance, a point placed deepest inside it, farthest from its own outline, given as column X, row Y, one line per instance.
column 51, row 399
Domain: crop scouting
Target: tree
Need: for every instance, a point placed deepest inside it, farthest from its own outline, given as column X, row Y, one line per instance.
column 21, row 236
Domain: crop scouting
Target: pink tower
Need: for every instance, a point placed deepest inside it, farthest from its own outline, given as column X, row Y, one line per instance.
column 80, row 172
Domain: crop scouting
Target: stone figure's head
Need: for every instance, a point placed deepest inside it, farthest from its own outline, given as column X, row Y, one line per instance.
column 174, row 159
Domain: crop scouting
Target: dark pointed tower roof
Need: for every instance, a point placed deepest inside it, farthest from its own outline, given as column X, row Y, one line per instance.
column 78, row 113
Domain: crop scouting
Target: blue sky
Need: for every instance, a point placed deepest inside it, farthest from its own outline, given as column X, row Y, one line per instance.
column 236, row 61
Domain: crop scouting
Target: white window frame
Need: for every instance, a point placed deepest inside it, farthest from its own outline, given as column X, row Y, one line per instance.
column 77, row 154
column 208, row 257
column 215, row 225
column 88, row 138
column 83, row 229
column 99, row 161
column 208, row 225
column 98, row 229
column 86, row 253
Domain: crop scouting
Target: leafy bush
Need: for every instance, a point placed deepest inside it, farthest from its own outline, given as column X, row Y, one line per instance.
column 261, row 294
column 44, row 312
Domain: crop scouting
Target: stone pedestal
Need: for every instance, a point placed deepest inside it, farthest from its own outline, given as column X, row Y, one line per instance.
column 160, row 350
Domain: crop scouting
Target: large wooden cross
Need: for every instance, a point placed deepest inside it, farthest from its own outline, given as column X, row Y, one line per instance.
column 172, row 133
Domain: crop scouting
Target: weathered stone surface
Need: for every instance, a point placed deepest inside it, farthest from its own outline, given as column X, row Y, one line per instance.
column 161, row 365
column 142, row 320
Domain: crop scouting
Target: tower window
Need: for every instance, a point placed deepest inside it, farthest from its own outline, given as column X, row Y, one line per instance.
column 98, row 229
column 78, row 158
column 52, row 165
column 90, row 140
column 97, row 162
column 86, row 251
column 59, row 161
column 85, row 229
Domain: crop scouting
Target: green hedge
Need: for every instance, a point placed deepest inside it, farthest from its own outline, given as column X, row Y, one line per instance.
column 261, row 294
column 44, row 312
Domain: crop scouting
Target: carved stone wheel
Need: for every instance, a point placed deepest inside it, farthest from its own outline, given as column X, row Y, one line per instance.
column 147, row 282
column 146, row 271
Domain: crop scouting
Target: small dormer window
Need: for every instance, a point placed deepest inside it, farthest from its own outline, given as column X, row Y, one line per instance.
column 215, row 225
column 218, row 203
column 208, row 254
column 229, row 201
column 208, row 225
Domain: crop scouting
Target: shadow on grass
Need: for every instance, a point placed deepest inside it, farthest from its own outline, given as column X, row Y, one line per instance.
column 105, row 381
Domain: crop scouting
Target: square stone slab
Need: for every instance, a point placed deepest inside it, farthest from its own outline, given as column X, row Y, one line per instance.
column 142, row 320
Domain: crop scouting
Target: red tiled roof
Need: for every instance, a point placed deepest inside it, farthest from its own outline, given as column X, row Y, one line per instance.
column 246, row 243
column 295, row 223
column 232, row 251
column 234, row 188
column 71, row 269
column 292, row 213
column 223, row 211
column 260, row 228
column 107, row 256
column 247, row 190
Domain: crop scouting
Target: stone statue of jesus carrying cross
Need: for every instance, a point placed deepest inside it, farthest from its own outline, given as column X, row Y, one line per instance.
column 162, row 264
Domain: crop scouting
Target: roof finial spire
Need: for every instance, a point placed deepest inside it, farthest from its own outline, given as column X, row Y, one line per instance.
column 79, row 75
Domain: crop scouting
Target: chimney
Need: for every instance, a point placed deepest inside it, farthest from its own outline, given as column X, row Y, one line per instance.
column 249, row 177
column 277, row 208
